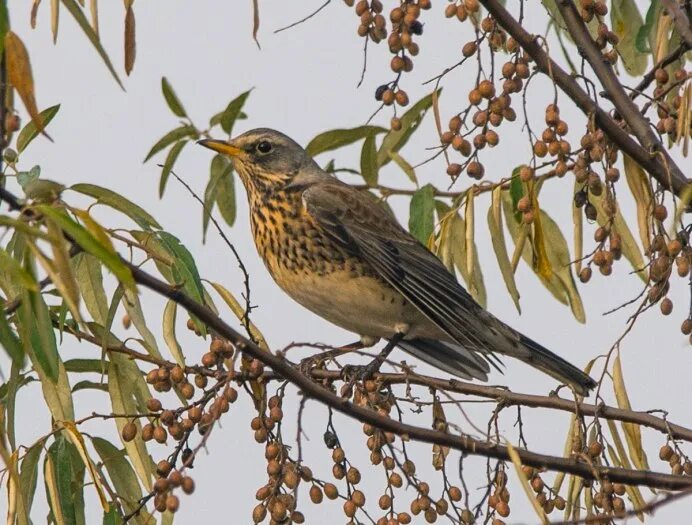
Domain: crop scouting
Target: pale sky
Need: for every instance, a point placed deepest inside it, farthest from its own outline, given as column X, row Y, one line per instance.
column 305, row 82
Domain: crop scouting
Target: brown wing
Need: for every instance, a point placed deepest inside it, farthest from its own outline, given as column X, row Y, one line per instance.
column 366, row 229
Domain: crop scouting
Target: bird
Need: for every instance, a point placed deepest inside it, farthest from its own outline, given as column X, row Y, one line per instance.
column 341, row 254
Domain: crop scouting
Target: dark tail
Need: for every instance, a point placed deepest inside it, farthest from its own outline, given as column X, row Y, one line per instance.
column 553, row 365
column 448, row 357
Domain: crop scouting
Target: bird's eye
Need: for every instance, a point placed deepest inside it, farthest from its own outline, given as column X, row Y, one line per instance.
column 264, row 146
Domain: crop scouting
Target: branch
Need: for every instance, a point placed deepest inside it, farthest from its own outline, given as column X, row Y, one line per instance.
column 624, row 105
column 465, row 444
column 670, row 176
column 682, row 23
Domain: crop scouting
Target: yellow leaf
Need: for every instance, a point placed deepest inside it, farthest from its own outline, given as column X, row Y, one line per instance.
column 543, row 266
column 94, row 11
column 20, row 76
column 640, row 186
column 95, row 229
column 78, row 441
column 497, row 237
column 469, row 217
column 54, row 18
column 578, row 237
column 130, row 43
column 516, row 461
column 633, row 434
column 53, row 491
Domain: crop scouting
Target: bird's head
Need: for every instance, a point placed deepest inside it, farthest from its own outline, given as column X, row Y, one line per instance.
column 265, row 159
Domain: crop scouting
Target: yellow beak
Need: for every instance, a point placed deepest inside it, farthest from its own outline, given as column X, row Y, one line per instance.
column 221, row 146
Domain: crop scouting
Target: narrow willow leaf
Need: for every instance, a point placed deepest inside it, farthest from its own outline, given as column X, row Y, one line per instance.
column 179, row 133
column 150, row 243
column 28, row 475
column 630, row 248
column 90, row 280
column 626, row 22
column 118, row 202
column 338, row 138
column 65, row 481
column 53, row 491
column 122, row 475
column 578, row 231
column 94, row 12
column 469, row 236
column 78, row 441
column 63, row 277
column 642, row 40
column 542, row 263
column 497, row 236
column 81, row 19
column 54, row 18
column 112, row 517
column 421, row 220
column 219, row 168
column 20, row 76
column 233, row 112
column 169, row 314
column 172, row 156
column 639, row 185
column 172, row 99
column 89, row 385
column 32, row 129
column 623, row 461
column 393, row 141
column 633, row 434
column 405, row 166
column 225, row 197
column 14, row 271
column 122, row 393
column 239, row 312
column 9, row 340
column 368, row 161
column 90, row 244
column 130, row 41
column 530, row 494
column 134, row 309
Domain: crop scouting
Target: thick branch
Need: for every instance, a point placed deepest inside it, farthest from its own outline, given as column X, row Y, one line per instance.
column 314, row 390
column 627, row 109
column 670, row 176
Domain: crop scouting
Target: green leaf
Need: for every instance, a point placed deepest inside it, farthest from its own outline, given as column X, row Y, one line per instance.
column 405, row 166
column 225, row 197
column 89, row 385
column 118, row 202
column 642, row 40
column 121, row 474
column 497, row 237
column 172, row 136
column 80, row 365
column 30, row 131
column 368, row 161
column 516, row 192
column 16, row 272
column 626, row 22
column 9, row 340
column 28, row 475
column 87, row 270
column 113, row 516
column 68, row 478
column 162, row 258
column 81, row 19
column 220, row 167
column 232, row 112
column 338, row 138
column 134, row 309
column 169, row 315
column 168, row 165
column 172, row 99
column 185, row 271
column 122, row 378
column 90, row 244
column 421, row 220
column 25, row 178
column 395, row 140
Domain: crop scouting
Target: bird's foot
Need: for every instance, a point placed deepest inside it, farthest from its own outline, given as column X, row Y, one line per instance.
column 308, row 364
column 353, row 373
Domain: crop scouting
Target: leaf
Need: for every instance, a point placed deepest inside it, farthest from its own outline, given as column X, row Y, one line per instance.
column 130, row 41
column 633, row 434
column 421, row 221
column 497, row 237
column 112, row 517
column 53, row 490
column 368, row 161
column 530, row 494
column 81, row 19
column 9, row 340
column 63, row 277
column 626, row 22
column 225, row 196
column 642, row 40
column 440, row 453
column 169, row 332
column 118, row 202
column 172, row 99
column 65, row 480
column 393, row 141
column 16, row 272
column 338, row 138
column 181, row 132
column 90, row 244
column 172, row 156
column 134, row 309
column 121, row 388
column 28, row 476
column 78, row 442
column 96, row 366
column 122, row 475
column 25, row 178
column 19, row 75
column 620, row 459
column 232, row 112
column 404, row 165
column 220, row 168
column 87, row 269
column 639, row 185
column 32, row 129
column 239, row 312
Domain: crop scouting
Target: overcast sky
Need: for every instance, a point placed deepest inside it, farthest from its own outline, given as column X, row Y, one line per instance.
column 304, row 82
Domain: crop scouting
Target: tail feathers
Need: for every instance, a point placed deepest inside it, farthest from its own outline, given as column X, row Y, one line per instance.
column 543, row 359
column 448, row 357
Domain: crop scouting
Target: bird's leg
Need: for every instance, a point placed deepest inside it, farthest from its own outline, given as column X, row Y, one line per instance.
column 315, row 360
column 366, row 372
